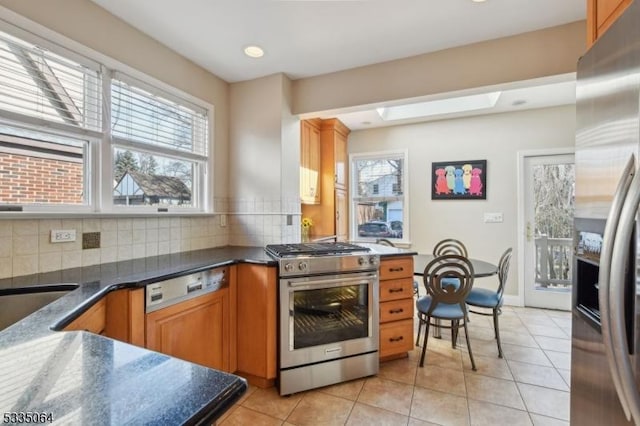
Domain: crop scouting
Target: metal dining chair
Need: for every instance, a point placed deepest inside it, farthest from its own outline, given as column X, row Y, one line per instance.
column 386, row 242
column 445, row 301
column 492, row 299
column 450, row 246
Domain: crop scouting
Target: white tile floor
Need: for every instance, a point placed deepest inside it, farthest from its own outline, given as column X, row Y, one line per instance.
column 530, row 386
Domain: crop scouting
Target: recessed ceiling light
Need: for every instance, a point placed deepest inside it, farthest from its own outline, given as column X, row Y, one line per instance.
column 366, row 123
column 478, row 1
column 253, row 51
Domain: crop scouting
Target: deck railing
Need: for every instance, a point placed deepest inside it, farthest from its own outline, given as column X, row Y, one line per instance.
column 553, row 266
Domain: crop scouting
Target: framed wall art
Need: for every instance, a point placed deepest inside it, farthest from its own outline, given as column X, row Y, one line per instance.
column 459, row 180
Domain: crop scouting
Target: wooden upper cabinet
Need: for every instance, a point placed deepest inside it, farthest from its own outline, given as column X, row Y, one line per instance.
column 334, row 140
column 310, row 161
column 601, row 14
column 331, row 216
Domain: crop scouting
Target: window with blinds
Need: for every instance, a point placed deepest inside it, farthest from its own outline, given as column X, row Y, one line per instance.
column 160, row 145
column 38, row 86
column 378, row 195
column 149, row 144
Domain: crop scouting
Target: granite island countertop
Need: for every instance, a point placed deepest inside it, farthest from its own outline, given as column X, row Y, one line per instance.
column 82, row 378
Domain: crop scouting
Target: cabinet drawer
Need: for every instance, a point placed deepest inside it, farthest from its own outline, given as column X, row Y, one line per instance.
column 396, row 268
column 396, row 289
column 396, row 337
column 396, row 310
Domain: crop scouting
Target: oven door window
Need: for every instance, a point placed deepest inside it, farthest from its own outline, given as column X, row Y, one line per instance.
column 329, row 315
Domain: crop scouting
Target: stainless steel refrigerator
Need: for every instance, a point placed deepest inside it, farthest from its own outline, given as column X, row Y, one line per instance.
column 605, row 331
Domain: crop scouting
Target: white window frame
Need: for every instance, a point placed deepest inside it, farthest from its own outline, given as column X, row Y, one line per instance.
column 353, row 191
column 99, row 159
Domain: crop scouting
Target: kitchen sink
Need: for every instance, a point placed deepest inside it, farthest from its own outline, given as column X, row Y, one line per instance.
column 18, row 303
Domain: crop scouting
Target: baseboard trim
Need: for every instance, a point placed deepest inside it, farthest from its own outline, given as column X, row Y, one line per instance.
column 512, row 300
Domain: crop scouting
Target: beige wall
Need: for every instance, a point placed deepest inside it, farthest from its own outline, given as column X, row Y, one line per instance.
column 525, row 56
column 497, row 138
column 94, row 27
column 263, row 162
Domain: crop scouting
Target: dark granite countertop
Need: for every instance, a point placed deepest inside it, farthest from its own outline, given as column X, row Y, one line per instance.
column 83, row 378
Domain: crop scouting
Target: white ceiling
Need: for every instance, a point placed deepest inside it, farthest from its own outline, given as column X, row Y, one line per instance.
column 303, row 38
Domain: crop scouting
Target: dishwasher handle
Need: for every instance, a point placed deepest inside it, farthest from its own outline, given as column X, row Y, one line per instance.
column 194, row 287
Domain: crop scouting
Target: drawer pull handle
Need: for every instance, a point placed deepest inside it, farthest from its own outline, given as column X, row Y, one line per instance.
column 396, row 311
column 396, row 339
column 396, row 290
column 400, row 269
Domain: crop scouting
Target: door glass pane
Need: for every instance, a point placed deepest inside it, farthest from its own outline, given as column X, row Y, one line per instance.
column 554, row 197
column 330, row 315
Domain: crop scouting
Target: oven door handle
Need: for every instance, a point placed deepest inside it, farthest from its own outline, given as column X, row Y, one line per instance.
column 332, row 282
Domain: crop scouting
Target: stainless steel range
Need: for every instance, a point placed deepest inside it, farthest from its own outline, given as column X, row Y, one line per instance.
column 328, row 308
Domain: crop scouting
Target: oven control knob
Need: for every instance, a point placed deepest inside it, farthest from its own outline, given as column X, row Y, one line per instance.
column 373, row 260
column 288, row 267
column 362, row 261
column 303, row 266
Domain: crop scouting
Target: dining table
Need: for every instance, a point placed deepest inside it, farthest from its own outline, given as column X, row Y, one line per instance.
column 481, row 269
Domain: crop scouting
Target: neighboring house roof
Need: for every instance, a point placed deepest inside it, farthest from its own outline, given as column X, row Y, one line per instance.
column 160, row 186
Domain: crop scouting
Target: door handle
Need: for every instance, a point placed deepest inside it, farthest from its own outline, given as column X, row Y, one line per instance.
column 529, row 233
column 611, row 287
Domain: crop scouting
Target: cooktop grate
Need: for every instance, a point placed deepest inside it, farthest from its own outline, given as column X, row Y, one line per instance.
column 306, row 249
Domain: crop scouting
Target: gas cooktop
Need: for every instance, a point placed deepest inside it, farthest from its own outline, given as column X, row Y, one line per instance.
column 313, row 249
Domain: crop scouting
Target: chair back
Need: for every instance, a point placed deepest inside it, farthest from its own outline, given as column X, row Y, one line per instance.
column 385, row 242
column 503, row 270
column 449, row 266
column 450, row 246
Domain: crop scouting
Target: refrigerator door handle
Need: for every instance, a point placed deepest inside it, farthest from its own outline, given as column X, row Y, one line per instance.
column 604, row 276
column 618, row 327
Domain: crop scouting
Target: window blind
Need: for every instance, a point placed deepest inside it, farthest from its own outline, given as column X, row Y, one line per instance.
column 147, row 115
column 37, row 83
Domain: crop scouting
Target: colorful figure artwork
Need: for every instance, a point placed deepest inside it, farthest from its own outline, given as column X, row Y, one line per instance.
column 459, row 180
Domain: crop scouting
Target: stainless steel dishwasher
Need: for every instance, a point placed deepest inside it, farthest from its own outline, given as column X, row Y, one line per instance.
column 188, row 317
column 175, row 290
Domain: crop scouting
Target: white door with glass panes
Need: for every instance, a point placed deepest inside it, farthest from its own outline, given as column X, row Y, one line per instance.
column 548, row 213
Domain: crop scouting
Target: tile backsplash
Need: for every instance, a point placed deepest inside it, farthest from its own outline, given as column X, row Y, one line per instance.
column 26, row 248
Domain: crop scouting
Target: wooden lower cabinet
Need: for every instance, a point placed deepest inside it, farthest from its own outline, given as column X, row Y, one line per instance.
column 195, row 330
column 125, row 316
column 396, row 307
column 93, row 319
column 396, row 339
column 257, row 323
column 119, row 315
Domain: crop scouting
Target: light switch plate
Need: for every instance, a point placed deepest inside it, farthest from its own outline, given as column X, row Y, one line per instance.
column 63, row 235
column 223, row 220
column 493, row 217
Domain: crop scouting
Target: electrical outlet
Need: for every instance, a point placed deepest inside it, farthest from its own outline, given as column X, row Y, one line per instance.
column 493, row 217
column 63, row 235
column 223, row 220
